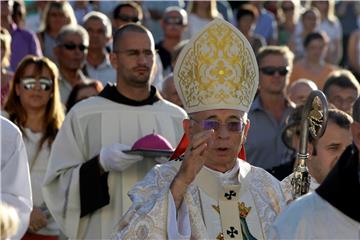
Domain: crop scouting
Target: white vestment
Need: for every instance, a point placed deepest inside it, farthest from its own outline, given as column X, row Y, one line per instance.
column 332, row 211
column 15, row 176
column 153, row 214
column 95, row 123
column 311, row 217
column 287, row 187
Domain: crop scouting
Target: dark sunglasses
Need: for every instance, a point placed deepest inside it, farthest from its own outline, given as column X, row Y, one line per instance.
column 127, row 18
column 231, row 126
column 30, row 83
column 272, row 70
column 73, row 46
column 174, row 20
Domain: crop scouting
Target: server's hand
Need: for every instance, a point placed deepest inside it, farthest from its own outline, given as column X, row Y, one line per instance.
column 112, row 158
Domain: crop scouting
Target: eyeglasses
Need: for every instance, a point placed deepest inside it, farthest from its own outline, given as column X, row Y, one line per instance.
column 127, row 18
column 30, row 83
column 272, row 70
column 231, row 126
column 73, row 46
column 173, row 20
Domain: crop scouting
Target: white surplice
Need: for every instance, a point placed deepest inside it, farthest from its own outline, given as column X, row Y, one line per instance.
column 95, row 123
column 15, row 176
column 153, row 214
column 332, row 211
column 311, row 217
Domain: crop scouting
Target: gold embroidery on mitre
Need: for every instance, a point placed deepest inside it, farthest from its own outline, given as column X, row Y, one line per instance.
column 218, row 68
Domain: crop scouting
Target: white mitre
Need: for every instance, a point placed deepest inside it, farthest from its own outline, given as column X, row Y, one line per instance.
column 217, row 69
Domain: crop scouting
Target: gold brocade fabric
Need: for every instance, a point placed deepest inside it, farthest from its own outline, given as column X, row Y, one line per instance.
column 148, row 216
column 217, row 69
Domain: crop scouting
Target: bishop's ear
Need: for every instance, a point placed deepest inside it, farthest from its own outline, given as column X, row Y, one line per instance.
column 246, row 129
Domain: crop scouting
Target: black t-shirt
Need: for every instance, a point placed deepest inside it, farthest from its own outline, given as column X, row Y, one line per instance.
column 165, row 56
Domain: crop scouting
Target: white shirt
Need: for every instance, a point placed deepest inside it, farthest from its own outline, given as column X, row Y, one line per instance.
column 38, row 164
column 104, row 72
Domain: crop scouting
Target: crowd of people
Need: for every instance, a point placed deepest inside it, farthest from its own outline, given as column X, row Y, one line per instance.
column 224, row 81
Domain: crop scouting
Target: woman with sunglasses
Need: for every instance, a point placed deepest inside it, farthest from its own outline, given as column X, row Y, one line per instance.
column 34, row 106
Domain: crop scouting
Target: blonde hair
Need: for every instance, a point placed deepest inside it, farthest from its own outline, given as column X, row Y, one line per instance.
column 212, row 11
column 54, row 114
column 62, row 5
column 297, row 10
column 330, row 14
column 6, row 41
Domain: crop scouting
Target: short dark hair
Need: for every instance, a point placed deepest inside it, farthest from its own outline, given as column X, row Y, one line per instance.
column 275, row 50
column 342, row 78
column 314, row 36
column 134, row 5
column 340, row 118
column 72, row 99
column 293, row 127
column 246, row 10
column 130, row 27
column 356, row 110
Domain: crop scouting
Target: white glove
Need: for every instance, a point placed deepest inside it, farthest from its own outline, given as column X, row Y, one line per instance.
column 113, row 158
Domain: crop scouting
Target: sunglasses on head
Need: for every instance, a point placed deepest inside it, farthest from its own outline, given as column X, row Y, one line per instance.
column 127, row 18
column 231, row 126
column 30, row 83
column 272, row 70
column 173, row 20
column 73, row 46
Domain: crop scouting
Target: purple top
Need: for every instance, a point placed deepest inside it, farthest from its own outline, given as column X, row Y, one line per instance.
column 23, row 43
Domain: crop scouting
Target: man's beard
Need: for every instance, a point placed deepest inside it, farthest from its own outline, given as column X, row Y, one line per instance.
column 140, row 81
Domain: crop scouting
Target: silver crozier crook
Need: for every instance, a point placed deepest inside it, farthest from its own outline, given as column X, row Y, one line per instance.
column 314, row 120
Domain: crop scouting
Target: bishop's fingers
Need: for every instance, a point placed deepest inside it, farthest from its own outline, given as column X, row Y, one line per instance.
column 201, row 138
